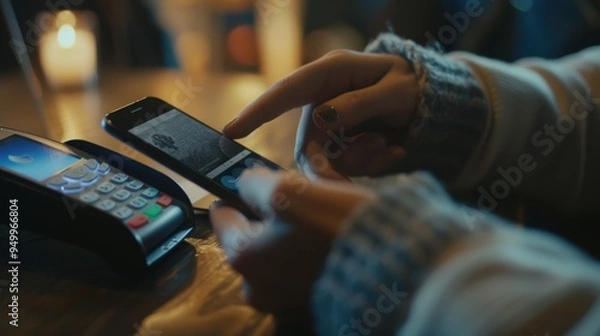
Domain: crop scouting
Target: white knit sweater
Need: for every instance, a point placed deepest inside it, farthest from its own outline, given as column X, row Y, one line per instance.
column 413, row 263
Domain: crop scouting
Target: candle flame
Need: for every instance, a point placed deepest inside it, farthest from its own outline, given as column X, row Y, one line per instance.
column 66, row 36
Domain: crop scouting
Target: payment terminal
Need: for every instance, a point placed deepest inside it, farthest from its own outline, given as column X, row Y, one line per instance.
column 84, row 194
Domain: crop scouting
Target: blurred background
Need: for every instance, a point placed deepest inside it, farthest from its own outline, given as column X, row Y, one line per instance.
column 199, row 35
column 64, row 64
column 86, row 46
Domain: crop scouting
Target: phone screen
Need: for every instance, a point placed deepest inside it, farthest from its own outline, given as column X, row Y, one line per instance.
column 199, row 147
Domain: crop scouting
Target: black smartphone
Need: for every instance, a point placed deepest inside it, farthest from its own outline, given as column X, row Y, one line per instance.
column 186, row 145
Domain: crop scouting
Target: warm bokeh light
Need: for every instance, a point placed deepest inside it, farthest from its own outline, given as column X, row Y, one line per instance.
column 66, row 36
column 65, row 17
column 241, row 45
column 86, row 104
column 321, row 41
column 193, row 51
column 231, row 5
column 246, row 89
column 68, row 53
column 279, row 38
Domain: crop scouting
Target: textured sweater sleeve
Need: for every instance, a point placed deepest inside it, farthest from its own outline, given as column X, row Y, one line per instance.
column 510, row 282
column 544, row 137
column 530, row 128
column 452, row 114
column 386, row 272
column 385, row 252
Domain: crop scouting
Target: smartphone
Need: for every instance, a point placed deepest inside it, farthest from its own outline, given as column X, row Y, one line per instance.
column 186, row 145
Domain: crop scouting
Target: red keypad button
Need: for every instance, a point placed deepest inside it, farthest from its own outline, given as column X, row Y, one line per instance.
column 164, row 201
column 138, row 221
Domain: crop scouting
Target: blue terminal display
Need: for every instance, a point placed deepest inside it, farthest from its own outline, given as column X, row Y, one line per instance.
column 32, row 159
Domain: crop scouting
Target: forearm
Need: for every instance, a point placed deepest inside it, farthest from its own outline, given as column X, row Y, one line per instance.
column 544, row 135
column 410, row 261
column 509, row 282
column 452, row 114
column 384, row 253
column 531, row 128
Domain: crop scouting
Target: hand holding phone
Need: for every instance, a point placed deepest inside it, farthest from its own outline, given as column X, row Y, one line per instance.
column 186, row 145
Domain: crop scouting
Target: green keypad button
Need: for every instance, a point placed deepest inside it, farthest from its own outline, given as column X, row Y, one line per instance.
column 153, row 210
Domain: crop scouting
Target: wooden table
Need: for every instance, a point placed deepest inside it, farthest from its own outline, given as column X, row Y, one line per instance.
column 65, row 290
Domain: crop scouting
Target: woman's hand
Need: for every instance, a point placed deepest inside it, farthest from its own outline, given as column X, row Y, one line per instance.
column 281, row 257
column 363, row 106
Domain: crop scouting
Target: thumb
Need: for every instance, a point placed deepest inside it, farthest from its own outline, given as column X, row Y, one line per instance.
column 291, row 196
column 232, row 229
column 257, row 185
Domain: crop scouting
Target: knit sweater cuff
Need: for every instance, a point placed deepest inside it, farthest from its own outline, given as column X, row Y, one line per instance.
column 452, row 111
column 385, row 251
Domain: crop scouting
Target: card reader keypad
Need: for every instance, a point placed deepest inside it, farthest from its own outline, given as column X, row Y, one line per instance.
column 96, row 183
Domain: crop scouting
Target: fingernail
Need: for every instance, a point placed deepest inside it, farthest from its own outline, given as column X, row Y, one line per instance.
column 229, row 123
column 327, row 114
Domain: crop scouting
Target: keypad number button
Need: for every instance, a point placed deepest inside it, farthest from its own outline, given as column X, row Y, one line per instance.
column 150, row 193
column 106, row 188
column 138, row 203
column 135, row 185
column 121, row 195
column 123, row 213
column 106, row 205
column 119, row 178
column 90, row 197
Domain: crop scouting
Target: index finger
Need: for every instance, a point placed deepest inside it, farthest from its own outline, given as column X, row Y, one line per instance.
column 315, row 82
column 229, row 226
